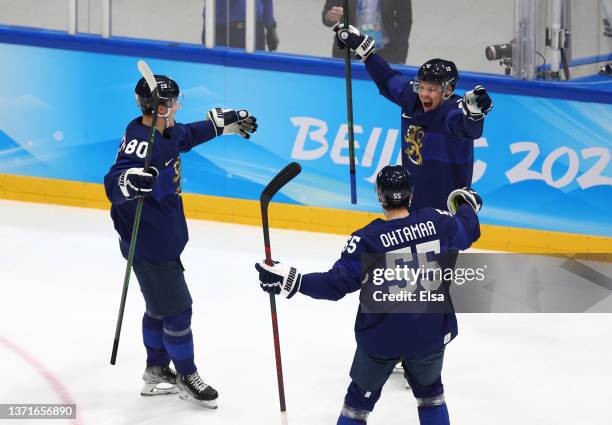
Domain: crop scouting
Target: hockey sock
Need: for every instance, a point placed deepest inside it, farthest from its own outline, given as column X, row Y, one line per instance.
column 152, row 331
column 178, row 340
column 434, row 415
column 352, row 416
column 343, row 420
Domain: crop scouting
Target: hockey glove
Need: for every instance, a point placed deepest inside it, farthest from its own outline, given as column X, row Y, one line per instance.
column 465, row 195
column 362, row 45
column 278, row 279
column 135, row 182
column 476, row 104
column 272, row 38
column 231, row 121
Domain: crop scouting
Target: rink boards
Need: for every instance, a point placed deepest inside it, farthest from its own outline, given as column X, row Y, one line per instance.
column 542, row 165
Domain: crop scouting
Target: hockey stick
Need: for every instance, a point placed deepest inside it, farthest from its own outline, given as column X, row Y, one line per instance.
column 150, row 79
column 349, row 109
column 281, row 179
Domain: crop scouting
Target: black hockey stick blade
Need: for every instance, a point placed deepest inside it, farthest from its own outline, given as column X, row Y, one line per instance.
column 281, row 179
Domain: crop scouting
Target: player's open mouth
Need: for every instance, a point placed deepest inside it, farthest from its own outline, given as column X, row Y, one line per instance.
column 427, row 104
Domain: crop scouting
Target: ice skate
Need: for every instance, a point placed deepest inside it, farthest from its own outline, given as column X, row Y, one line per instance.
column 159, row 380
column 193, row 388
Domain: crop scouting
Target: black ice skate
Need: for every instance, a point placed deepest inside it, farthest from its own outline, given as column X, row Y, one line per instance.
column 192, row 388
column 159, row 380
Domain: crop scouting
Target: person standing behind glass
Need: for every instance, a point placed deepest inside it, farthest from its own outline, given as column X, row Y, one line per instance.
column 231, row 24
column 388, row 22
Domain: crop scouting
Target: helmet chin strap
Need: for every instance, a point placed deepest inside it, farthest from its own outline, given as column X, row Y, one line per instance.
column 166, row 116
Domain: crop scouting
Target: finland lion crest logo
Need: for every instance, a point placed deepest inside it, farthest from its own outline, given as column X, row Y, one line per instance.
column 414, row 138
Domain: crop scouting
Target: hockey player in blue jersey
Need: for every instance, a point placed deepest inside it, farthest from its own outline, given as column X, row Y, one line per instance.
column 166, row 324
column 438, row 126
column 385, row 338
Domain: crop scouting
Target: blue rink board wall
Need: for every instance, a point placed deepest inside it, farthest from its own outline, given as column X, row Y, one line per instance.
column 543, row 162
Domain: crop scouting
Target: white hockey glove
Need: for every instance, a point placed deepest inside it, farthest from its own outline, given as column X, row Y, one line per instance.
column 476, row 103
column 232, row 121
column 461, row 196
column 362, row 45
column 278, row 279
column 135, row 182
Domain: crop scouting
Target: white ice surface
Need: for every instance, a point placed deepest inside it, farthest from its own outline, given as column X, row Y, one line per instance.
column 61, row 274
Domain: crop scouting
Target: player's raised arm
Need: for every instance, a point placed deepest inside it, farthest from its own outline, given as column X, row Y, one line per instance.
column 219, row 122
column 468, row 119
column 233, row 121
column 461, row 222
column 391, row 84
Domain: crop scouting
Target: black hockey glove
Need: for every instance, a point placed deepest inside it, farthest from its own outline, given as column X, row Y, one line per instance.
column 477, row 103
column 278, row 279
column 272, row 38
column 135, row 182
column 466, row 195
column 232, row 121
column 362, row 45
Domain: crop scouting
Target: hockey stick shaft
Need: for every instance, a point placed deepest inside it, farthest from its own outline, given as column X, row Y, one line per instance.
column 273, row 315
column 148, row 75
column 280, row 180
column 349, row 109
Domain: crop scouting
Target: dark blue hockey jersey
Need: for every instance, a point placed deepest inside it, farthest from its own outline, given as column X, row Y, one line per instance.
column 163, row 230
column 437, row 146
column 396, row 334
